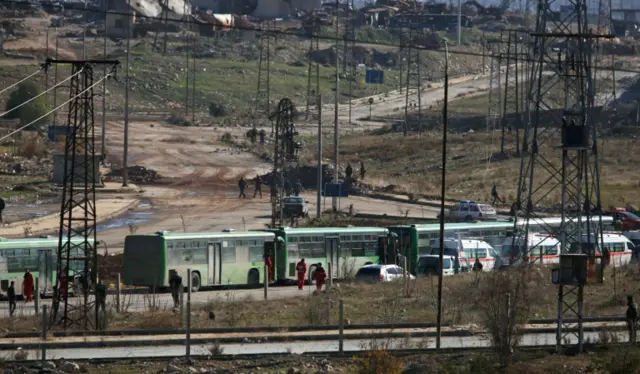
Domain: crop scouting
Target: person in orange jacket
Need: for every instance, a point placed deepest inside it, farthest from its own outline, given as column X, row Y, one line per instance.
column 320, row 275
column 301, row 270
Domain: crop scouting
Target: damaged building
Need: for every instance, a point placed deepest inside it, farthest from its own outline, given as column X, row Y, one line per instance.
column 258, row 8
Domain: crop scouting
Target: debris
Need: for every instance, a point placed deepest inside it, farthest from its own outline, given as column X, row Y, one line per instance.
column 138, row 174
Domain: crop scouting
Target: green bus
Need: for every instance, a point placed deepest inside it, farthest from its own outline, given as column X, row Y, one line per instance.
column 216, row 258
column 346, row 248
column 415, row 240
column 39, row 255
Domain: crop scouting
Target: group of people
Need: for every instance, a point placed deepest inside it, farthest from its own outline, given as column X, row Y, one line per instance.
column 349, row 171
column 28, row 288
column 290, row 188
column 319, row 275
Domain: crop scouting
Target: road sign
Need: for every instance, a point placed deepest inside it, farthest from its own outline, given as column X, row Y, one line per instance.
column 375, row 77
column 55, row 131
column 335, row 190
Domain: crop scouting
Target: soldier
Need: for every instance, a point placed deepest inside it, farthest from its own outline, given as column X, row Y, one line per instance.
column 632, row 319
column 258, row 187
column 175, row 282
column 494, row 194
column 242, row 184
column 349, row 171
column 101, row 295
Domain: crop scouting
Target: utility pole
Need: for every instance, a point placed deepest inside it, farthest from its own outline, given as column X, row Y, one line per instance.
column 459, row 22
column 313, row 73
column 319, row 166
column 125, row 153
column 55, row 82
column 103, row 141
column 186, row 68
column 263, row 91
column 84, row 31
column 335, row 110
column 193, row 81
column 413, row 82
column 443, row 190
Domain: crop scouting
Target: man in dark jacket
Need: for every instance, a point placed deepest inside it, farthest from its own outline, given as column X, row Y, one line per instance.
column 258, row 187
column 175, row 282
column 242, row 184
column 632, row 319
column 11, row 294
column 101, row 295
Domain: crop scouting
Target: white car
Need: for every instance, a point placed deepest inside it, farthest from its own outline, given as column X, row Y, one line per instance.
column 381, row 273
column 470, row 210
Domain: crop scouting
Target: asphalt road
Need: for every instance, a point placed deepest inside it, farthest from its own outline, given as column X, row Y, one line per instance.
column 293, row 347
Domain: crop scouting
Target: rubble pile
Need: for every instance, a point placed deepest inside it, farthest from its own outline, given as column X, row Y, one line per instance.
column 138, row 174
column 18, row 165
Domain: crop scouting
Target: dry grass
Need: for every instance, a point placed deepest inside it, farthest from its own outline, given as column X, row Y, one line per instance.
column 412, row 164
column 32, row 145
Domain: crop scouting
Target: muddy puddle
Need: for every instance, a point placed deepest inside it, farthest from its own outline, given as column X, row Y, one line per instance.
column 142, row 214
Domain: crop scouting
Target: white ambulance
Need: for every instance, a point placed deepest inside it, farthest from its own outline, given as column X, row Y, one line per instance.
column 470, row 249
column 620, row 248
column 541, row 249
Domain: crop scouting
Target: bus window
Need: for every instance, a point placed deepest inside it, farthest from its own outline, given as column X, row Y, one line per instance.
column 256, row 254
column 228, row 255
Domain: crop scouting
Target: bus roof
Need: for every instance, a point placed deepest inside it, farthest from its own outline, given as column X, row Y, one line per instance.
column 201, row 235
column 328, row 230
column 32, row 243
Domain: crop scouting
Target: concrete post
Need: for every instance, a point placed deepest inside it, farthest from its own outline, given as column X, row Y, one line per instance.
column 118, row 294
column 266, row 281
column 330, row 281
column 188, row 324
column 36, row 300
column 43, row 354
column 341, row 342
column 181, row 297
column 404, row 276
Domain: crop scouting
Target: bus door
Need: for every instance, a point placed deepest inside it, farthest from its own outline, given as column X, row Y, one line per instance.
column 45, row 269
column 332, row 251
column 215, row 263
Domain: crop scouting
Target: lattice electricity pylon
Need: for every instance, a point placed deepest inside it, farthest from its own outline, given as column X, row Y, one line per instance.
column 313, row 73
column 77, row 254
column 604, row 62
column 413, row 89
column 267, row 38
column 285, row 156
column 562, row 83
column 513, row 59
column 348, row 62
column 494, row 108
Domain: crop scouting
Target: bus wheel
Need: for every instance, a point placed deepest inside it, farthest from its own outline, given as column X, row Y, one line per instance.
column 195, row 282
column 254, row 277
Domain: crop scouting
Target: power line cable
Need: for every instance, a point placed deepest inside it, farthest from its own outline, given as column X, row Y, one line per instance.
column 43, row 67
column 58, row 107
column 40, row 94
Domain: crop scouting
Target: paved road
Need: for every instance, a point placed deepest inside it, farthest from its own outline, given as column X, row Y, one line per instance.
column 294, row 347
column 141, row 302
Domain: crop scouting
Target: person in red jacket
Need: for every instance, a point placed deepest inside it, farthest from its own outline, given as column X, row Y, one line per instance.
column 321, row 275
column 269, row 262
column 28, row 286
column 301, row 270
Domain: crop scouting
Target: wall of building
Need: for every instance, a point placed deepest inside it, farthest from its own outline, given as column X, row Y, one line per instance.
column 117, row 25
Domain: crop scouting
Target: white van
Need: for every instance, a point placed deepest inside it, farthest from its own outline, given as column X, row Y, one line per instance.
column 429, row 265
column 469, row 249
column 619, row 246
column 634, row 236
column 541, row 249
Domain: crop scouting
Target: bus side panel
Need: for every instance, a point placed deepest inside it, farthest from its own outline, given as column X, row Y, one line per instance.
column 145, row 261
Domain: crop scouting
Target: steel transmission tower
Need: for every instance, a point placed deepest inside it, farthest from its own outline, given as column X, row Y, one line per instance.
column 77, row 235
column 348, row 61
column 285, row 157
column 514, row 58
column 313, row 74
column 263, row 92
column 562, row 109
column 494, row 108
column 413, row 82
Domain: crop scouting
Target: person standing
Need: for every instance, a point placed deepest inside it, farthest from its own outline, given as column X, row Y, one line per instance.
column 301, row 269
column 175, row 282
column 632, row 319
column 11, row 294
column 349, row 171
column 258, row 187
column 362, row 170
column 2, row 205
column 269, row 262
column 27, row 286
column 242, row 184
column 101, row 295
column 320, row 276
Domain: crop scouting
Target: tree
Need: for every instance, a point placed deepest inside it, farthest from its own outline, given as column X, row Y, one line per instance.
column 31, row 111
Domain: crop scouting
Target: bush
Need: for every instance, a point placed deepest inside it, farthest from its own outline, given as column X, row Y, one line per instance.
column 379, row 362
column 29, row 112
column 32, row 146
column 622, row 360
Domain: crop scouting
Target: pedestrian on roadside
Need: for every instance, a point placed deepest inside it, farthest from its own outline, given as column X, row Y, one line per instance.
column 101, row 295
column 258, row 187
column 632, row 319
column 175, row 282
column 2, row 205
column 477, row 266
column 242, row 184
column 362, row 170
column 262, row 134
column 320, row 276
column 495, row 196
column 301, row 270
column 27, row 286
column 11, row 294
column 348, row 171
